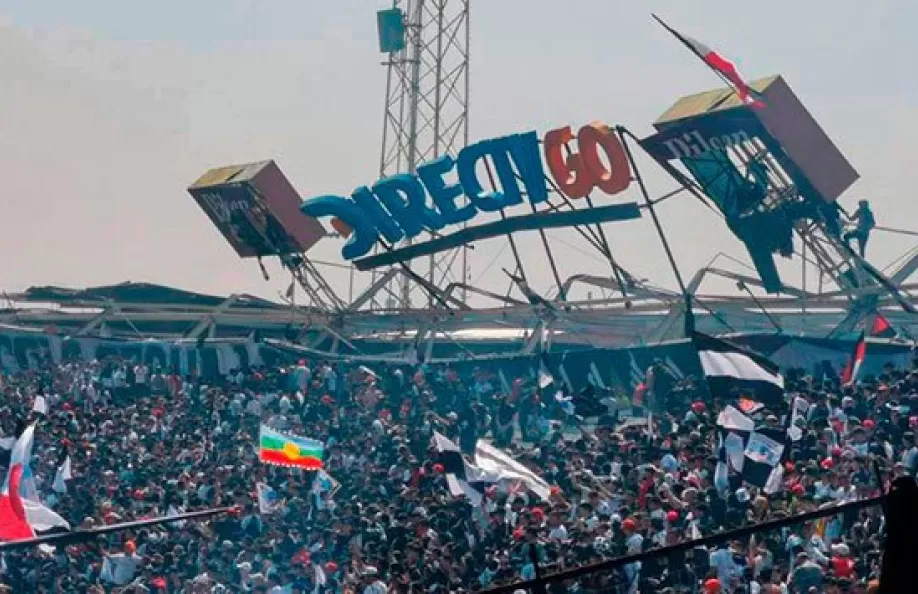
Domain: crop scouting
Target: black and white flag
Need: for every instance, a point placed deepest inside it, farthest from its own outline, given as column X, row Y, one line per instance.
column 762, row 466
column 754, row 456
column 799, row 410
column 734, row 371
column 491, row 467
column 462, row 478
column 733, row 429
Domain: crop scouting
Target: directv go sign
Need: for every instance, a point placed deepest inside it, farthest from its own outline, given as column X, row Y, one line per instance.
column 397, row 207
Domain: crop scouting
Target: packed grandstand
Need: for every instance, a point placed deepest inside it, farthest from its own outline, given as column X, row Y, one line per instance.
column 586, row 481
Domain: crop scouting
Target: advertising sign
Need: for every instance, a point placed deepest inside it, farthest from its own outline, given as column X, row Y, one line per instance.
column 704, row 134
column 256, row 209
column 403, row 206
column 231, row 209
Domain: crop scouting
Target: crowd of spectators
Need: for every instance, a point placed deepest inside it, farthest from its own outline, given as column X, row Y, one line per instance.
column 147, row 443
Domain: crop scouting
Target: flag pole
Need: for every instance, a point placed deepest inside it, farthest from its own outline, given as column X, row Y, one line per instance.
column 82, row 535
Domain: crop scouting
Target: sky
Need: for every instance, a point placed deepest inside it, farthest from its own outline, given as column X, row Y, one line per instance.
column 110, row 109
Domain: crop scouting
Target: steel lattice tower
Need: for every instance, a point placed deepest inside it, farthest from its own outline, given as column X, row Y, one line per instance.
column 426, row 116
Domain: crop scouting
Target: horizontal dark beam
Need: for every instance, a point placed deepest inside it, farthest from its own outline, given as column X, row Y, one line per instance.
column 530, row 222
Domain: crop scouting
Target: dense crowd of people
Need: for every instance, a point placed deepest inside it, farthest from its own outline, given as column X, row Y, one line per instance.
column 147, row 443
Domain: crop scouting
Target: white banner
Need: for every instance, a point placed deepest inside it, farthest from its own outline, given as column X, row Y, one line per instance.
column 22, row 349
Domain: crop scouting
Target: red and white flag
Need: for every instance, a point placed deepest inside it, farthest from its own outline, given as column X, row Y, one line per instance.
column 880, row 328
column 14, row 524
column 718, row 63
column 22, row 515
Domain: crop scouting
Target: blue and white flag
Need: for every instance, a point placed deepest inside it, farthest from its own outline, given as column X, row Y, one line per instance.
column 324, row 483
column 269, row 500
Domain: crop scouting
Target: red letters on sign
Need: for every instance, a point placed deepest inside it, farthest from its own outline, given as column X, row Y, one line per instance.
column 569, row 173
column 343, row 229
column 580, row 172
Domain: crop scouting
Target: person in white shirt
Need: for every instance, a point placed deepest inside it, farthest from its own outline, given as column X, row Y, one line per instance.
column 909, row 458
column 278, row 422
column 119, row 379
column 331, row 380
column 303, row 376
column 90, row 397
column 254, row 407
column 141, row 374
column 370, row 582
column 284, row 404
column 558, row 533
column 120, row 568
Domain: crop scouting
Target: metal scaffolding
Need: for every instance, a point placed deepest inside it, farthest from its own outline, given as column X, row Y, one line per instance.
column 426, row 116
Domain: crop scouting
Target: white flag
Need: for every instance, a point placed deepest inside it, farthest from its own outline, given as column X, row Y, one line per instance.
column 42, row 518
column 775, row 480
column 799, row 411
column 63, row 474
column 492, row 460
column 40, row 406
column 736, row 451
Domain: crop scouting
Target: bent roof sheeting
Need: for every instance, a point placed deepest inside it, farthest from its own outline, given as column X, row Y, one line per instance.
column 129, row 292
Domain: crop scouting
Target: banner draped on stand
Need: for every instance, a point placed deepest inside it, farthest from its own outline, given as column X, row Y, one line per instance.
column 22, row 349
column 623, row 368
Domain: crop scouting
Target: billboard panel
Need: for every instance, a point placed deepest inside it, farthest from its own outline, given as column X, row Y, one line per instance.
column 792, row 135
column 805, row 142
column 256, row 209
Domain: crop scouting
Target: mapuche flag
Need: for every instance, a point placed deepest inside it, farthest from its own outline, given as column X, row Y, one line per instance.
column 717, row 62
column 281, row 449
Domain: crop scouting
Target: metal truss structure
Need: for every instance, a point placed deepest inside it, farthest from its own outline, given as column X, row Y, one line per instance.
column 426, row 116
column 647, row 315
column 630, row 311
column 842, row 275
column 420, row 307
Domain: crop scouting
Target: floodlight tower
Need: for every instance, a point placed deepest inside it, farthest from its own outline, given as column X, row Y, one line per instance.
column 426, row 111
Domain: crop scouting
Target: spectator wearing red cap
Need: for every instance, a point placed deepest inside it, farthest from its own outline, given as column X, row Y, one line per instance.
column 158, row 456
column 120, row 568
column 634, row 544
